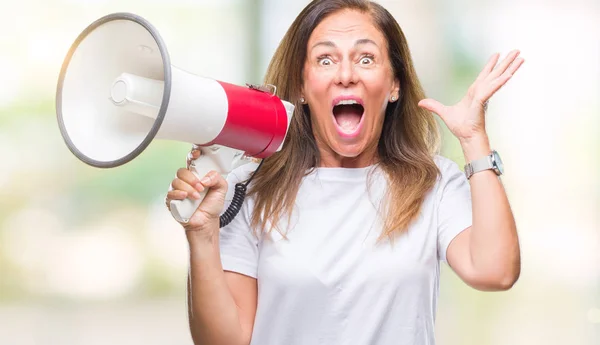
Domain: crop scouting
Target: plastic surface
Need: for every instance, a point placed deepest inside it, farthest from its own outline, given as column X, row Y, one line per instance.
column 218, row 158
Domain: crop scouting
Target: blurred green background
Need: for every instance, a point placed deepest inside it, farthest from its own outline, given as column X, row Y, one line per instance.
column 91, row 256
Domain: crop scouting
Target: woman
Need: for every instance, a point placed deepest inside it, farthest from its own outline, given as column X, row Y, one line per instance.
column 341, row 235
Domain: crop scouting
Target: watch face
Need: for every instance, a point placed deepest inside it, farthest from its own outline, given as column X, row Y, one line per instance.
column 498, row 162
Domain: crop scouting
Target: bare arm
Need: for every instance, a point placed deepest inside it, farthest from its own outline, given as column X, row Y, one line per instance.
column 487, row 256
column 221, row 305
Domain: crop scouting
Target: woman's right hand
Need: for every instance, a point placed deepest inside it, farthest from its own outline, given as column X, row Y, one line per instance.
column 205, row 220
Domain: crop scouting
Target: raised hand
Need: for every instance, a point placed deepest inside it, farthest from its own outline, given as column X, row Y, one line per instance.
column 466, row 119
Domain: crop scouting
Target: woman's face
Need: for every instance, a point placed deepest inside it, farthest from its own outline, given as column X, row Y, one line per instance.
column 348, row 82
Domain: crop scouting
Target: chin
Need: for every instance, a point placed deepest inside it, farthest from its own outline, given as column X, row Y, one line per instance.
column 348, row 149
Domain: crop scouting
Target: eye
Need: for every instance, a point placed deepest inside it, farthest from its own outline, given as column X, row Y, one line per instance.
column 366, row 60
column 324, row 61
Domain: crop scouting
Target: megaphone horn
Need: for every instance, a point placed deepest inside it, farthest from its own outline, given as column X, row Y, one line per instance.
column 117, row 91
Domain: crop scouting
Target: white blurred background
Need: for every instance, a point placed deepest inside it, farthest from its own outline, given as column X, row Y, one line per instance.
column 91, row 256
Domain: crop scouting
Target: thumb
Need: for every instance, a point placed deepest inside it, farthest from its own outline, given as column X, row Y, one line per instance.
column 215, row 183
column 433, row 106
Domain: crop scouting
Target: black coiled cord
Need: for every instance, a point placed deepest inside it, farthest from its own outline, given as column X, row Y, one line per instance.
column 238, row 199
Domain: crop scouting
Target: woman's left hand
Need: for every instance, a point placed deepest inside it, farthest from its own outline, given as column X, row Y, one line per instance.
column 466, row 119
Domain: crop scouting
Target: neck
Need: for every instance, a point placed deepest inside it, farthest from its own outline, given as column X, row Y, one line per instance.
column 331, row 159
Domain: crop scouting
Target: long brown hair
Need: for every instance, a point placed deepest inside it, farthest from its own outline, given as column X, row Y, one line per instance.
column 408, row 141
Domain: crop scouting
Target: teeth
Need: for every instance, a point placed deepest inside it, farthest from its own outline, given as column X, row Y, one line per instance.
column 347, row 102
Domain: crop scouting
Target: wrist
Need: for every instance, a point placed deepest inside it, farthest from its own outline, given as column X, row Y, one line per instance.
column 201, row 248
column 203, row 238
column 203, row 254
column 475, row 147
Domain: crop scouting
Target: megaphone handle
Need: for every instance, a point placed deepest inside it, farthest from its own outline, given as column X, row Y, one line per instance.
column 182, row 210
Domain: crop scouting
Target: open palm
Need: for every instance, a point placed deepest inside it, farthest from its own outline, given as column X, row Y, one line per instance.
column 466, row 119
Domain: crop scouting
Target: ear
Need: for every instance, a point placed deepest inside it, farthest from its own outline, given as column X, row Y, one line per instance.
column 395, row 94
column 302, row 98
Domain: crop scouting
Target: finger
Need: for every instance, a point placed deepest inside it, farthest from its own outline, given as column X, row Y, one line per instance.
column 499, row 82
column 214, row 180
column 188, row 177
column 492, row 61
column 176, row 195
column 192, row 156
column 514, row 67
column 501, row 68
column 190, row 191
column 433, row 106
column 493, row 87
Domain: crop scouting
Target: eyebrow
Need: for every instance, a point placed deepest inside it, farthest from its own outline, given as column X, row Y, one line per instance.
column 361, row 41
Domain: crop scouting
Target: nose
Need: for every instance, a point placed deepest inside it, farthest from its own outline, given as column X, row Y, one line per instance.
column 346, row 74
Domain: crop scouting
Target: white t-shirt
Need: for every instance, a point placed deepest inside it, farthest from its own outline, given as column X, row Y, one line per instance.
column 328, row 283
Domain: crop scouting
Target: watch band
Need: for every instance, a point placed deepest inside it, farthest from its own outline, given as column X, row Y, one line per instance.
column 478, row 165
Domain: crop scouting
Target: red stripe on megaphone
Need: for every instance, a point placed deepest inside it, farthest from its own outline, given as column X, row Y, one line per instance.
column 256, row 121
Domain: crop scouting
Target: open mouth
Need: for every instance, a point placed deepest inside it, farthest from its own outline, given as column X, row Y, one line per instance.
column 348, row 115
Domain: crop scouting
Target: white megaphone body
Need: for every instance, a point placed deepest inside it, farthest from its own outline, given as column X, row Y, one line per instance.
column 118, row 91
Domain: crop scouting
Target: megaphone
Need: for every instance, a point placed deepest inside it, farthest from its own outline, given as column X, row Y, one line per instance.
column 117, row 91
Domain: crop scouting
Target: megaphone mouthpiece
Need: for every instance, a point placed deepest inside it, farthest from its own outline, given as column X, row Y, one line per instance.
column 137, row 94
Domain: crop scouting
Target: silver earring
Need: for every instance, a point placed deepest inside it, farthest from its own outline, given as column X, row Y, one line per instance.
column 393, row 98
column 302, row 100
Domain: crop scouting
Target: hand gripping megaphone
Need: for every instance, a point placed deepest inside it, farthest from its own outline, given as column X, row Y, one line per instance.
column 117, row 91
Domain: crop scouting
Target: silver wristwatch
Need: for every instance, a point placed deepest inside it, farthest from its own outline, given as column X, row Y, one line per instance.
column 491, row 161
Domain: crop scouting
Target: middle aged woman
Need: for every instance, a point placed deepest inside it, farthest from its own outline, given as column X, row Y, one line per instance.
column 341, row 236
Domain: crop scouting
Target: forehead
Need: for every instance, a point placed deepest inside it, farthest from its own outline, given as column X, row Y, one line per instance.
column 346, row 25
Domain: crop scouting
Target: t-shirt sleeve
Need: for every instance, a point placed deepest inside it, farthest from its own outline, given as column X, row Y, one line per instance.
column 454, row 207
column 238, row 243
